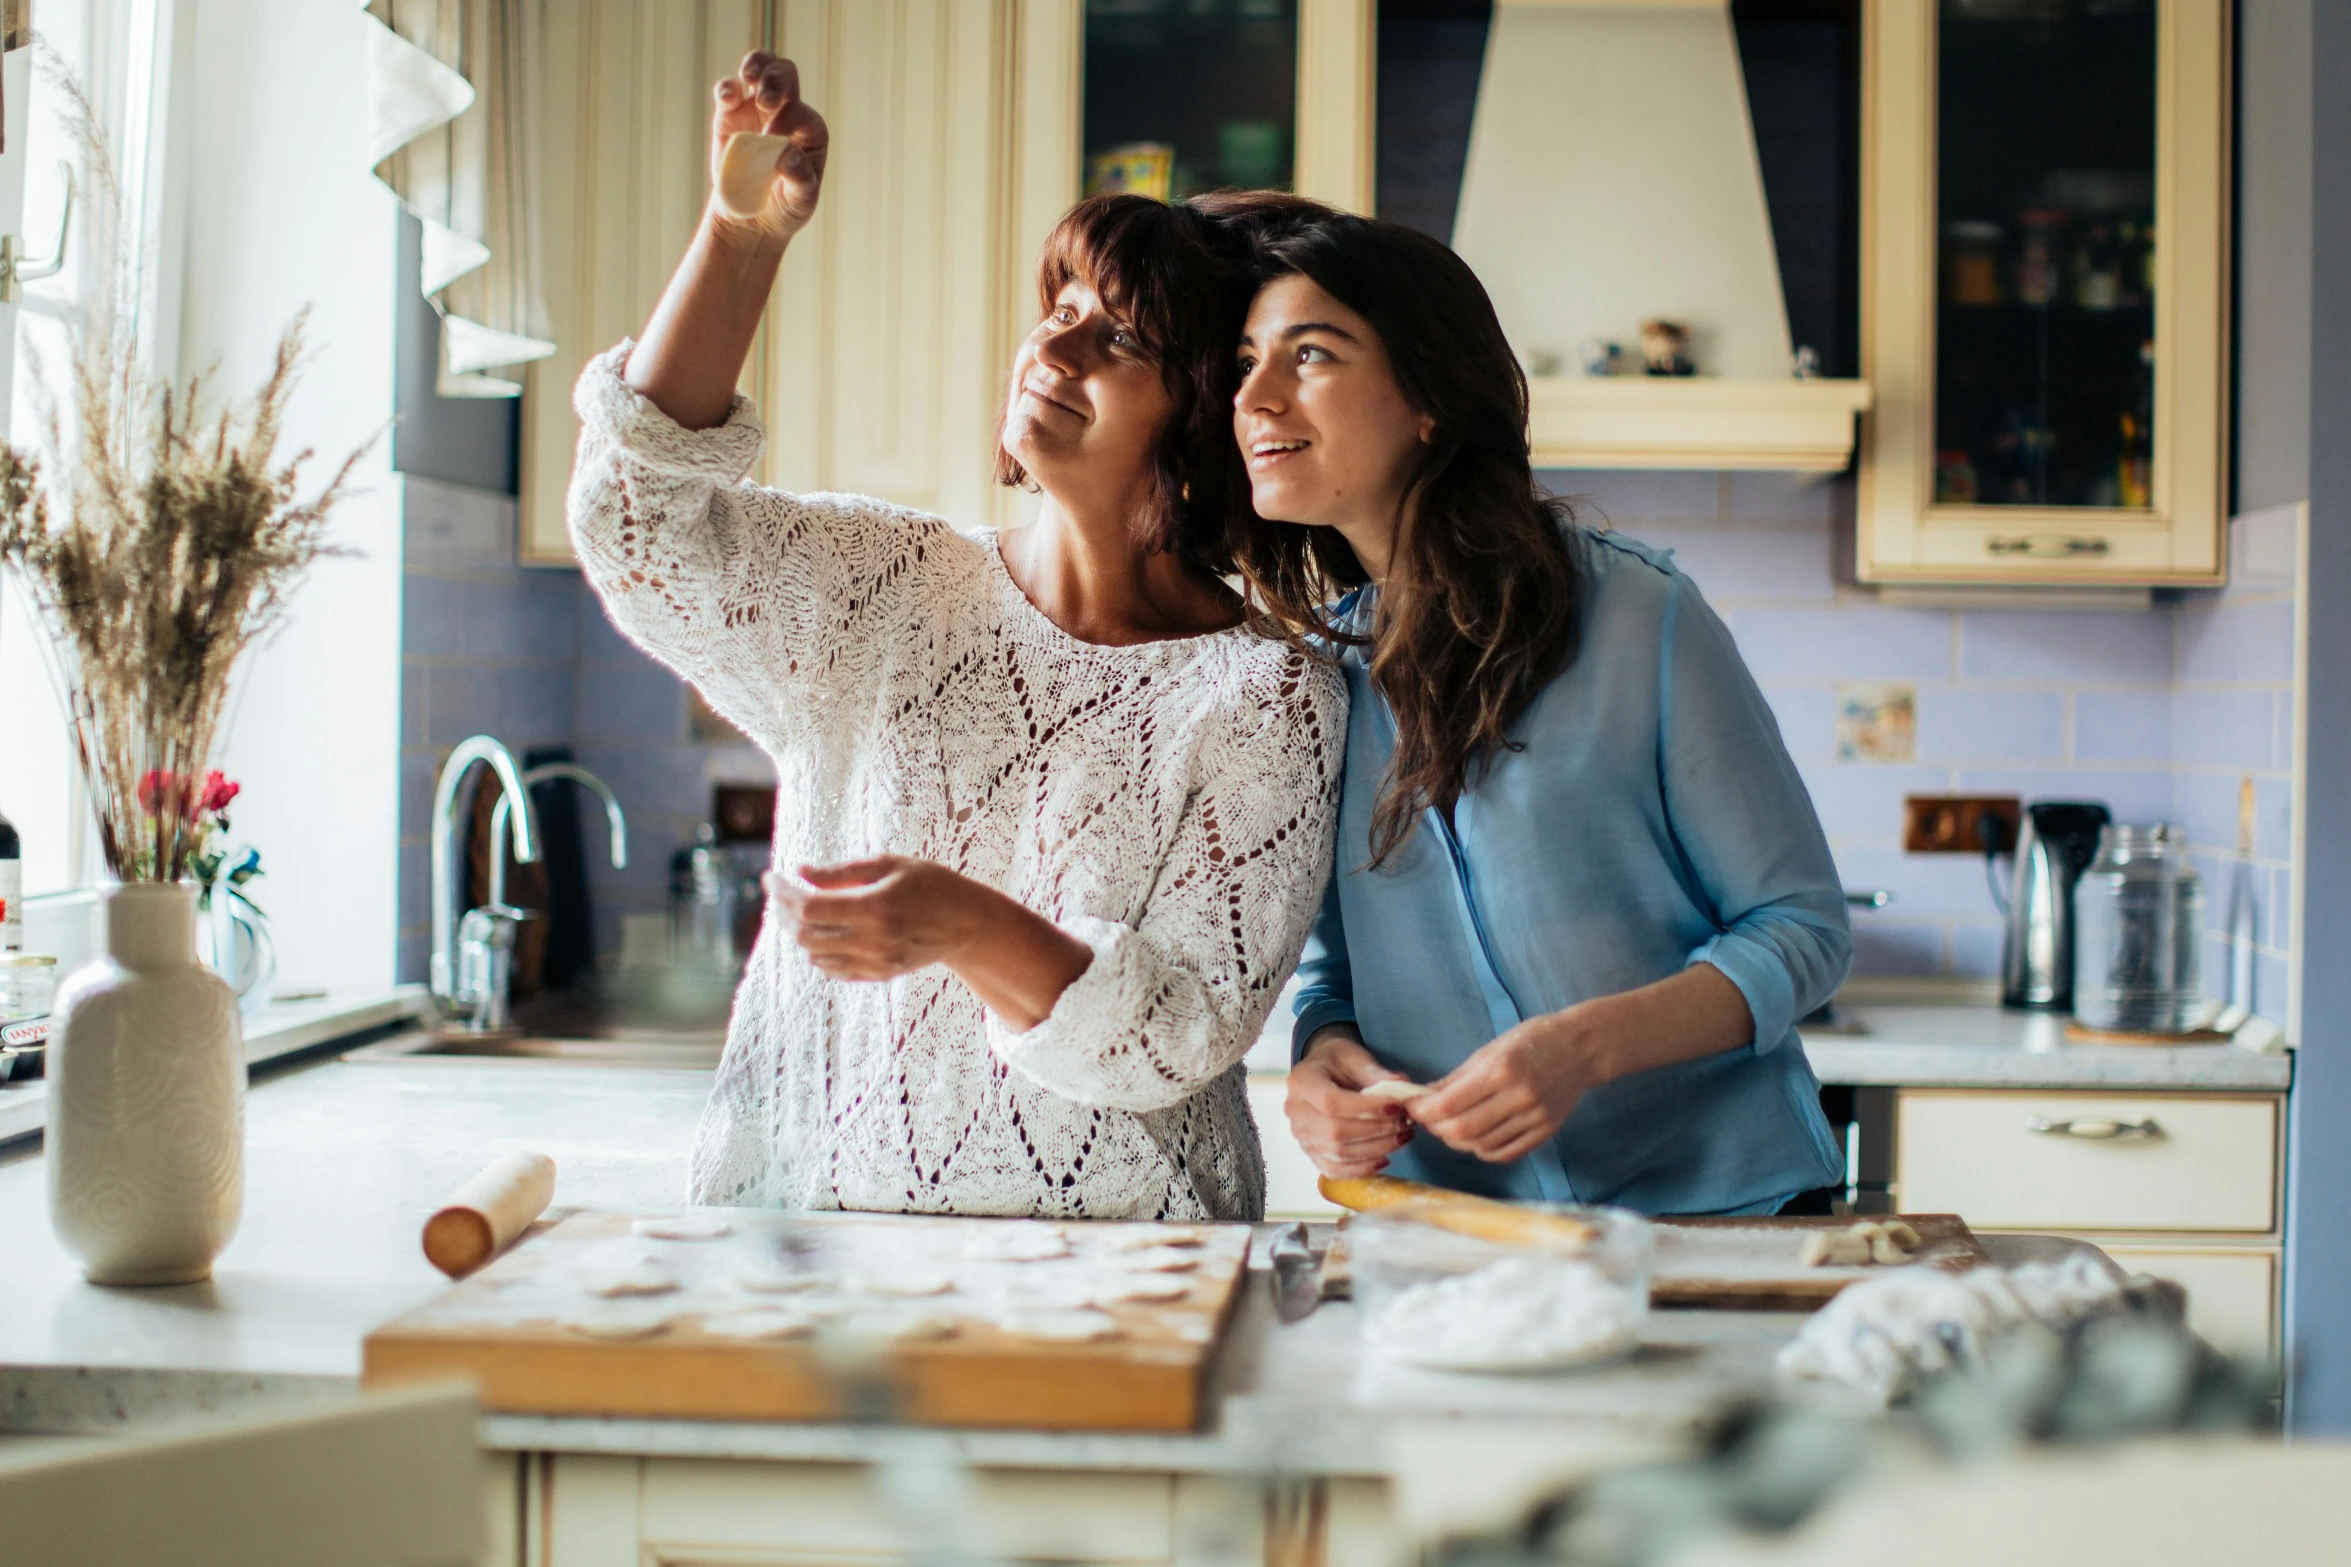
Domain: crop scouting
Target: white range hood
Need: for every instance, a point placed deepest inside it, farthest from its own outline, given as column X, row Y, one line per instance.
column 1612, row 176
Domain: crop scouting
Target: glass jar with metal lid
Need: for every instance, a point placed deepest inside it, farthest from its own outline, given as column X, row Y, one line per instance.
column 2138, row 944
column 28, row 984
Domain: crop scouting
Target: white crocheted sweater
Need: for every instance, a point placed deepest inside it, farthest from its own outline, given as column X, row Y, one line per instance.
column 1170, row 805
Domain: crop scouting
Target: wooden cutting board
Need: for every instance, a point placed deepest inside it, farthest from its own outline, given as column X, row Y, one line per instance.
column 509, row 1326
column 1752, row 1264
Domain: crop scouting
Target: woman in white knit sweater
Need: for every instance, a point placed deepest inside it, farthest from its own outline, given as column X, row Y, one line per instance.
column 1051, row 825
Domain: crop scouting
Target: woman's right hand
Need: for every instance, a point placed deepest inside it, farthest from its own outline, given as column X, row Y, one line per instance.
column 1344, row 1133
column 763, row 97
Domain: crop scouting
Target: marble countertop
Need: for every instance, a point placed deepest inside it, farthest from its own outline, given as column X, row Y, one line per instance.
column 1988, row 1047
column 280, row 1029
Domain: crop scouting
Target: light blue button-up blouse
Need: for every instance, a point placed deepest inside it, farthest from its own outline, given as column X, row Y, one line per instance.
column 1650, row 819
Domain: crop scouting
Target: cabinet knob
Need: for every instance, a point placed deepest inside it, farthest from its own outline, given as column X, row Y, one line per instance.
column 2046, row 546
column 2092, row 1131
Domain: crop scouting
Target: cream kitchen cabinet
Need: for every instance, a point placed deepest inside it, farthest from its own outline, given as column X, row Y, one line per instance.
column 594, row 1511
column 2045, row 216
column 2186, row 1186
column 957, row 143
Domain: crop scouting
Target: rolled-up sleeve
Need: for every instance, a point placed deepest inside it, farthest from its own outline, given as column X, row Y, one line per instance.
column 1746, row 828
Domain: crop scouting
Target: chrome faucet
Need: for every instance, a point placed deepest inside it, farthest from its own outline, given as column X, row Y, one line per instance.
column 486, row 936
column 451, row 980
column 616, row 824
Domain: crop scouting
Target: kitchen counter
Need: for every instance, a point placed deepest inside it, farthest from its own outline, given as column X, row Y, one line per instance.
column 345, row 1160
column 278, row 1030
column 1988, row 1047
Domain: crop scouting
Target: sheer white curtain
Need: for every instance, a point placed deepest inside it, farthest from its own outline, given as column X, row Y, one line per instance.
column 120, row 51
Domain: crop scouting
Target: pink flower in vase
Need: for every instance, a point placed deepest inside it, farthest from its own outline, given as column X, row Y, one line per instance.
column 219, row 790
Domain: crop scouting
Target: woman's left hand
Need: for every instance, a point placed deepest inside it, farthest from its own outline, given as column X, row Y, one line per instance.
column 878, row 918
column 1516, row 1091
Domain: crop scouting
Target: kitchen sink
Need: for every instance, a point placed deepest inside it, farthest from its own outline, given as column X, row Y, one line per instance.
column 575, row 1030
column 691, row 1052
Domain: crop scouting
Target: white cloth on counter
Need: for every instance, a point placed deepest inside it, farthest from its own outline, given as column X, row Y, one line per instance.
column 1168, row 804
column 1884, row 1334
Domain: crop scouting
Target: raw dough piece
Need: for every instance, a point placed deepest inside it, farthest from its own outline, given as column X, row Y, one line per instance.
column 1051, row 1292
column 766, row 1323
column 1060, row 1327
column 910, row 1326
column 743, row 172
column 1161, row 1259
column 621, row 1320
column 615, row 1277
column 1138, row 1287
column 908, row 1281
column 1017, row 1242
column 769, row 1278
column 1142, row 1237
column 683, row 1227
column 1396, row 1090
column 1879, row 1241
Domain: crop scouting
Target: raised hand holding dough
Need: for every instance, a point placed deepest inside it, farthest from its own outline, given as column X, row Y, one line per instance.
column 743, row 173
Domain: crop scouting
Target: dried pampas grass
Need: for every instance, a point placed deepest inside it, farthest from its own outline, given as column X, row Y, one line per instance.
column 158, row 547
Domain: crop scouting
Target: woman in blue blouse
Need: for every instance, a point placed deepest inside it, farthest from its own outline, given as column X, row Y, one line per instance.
column 1580, row 887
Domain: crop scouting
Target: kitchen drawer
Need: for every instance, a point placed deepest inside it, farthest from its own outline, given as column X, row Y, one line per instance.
column 698, row 1510
column 2232, row 1295
column 2208, row 1163
column 1289, row 1175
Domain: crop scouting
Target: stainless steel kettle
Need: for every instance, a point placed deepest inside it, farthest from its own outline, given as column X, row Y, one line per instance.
column 2055, row 844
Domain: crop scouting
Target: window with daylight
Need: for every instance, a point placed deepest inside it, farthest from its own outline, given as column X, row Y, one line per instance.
column 119, row 51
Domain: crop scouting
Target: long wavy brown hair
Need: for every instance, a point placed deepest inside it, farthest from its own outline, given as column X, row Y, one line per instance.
column 1168, row 273
column 1478, row 611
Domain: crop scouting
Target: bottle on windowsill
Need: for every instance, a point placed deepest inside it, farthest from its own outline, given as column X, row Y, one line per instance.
column 11, row 889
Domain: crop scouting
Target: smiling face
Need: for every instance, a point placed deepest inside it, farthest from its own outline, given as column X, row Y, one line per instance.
column 1329, row 438
column 1087, row 403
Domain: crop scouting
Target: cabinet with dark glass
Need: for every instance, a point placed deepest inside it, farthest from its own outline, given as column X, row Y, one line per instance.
column 2045, row 204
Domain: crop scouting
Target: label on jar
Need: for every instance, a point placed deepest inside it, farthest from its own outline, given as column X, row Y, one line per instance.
column 11, row 905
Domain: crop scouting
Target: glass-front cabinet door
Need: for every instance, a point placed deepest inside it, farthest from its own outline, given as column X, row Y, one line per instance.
column 2046, row 202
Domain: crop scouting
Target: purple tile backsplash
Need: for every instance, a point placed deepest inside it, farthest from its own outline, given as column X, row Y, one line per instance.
column 2158, row 711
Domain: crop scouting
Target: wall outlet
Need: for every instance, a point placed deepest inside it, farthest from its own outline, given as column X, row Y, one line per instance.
column 1950, row 823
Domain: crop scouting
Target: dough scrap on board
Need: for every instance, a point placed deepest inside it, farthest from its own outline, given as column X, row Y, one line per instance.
column 1883, row 1241
column 767, row 1323
column 616, row 1278
column 682, row 1227
column 619, row 1321
column 1060, row 1327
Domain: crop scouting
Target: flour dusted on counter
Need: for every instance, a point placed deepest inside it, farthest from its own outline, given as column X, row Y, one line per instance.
column 1529, row 1313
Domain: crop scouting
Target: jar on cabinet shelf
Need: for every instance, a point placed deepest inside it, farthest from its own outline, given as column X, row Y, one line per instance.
column 2045, row 210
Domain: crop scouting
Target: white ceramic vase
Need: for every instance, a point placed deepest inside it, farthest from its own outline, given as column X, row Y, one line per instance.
column 146, row 1133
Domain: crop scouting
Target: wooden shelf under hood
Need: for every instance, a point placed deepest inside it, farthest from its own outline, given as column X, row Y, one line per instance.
column 1693, row 422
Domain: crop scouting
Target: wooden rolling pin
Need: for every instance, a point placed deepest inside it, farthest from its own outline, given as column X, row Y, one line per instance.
column 1464, row 1214
column 484, row 1215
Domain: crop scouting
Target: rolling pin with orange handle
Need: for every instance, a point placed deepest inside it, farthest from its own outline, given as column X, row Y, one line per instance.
column 1459, row 1212
column 485, row 1214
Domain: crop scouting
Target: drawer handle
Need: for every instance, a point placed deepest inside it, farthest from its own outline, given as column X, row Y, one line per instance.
column 2093, row 1131
column 2047, row 546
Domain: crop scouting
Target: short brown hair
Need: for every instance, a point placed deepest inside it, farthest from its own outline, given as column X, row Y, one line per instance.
column 1161, row 270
